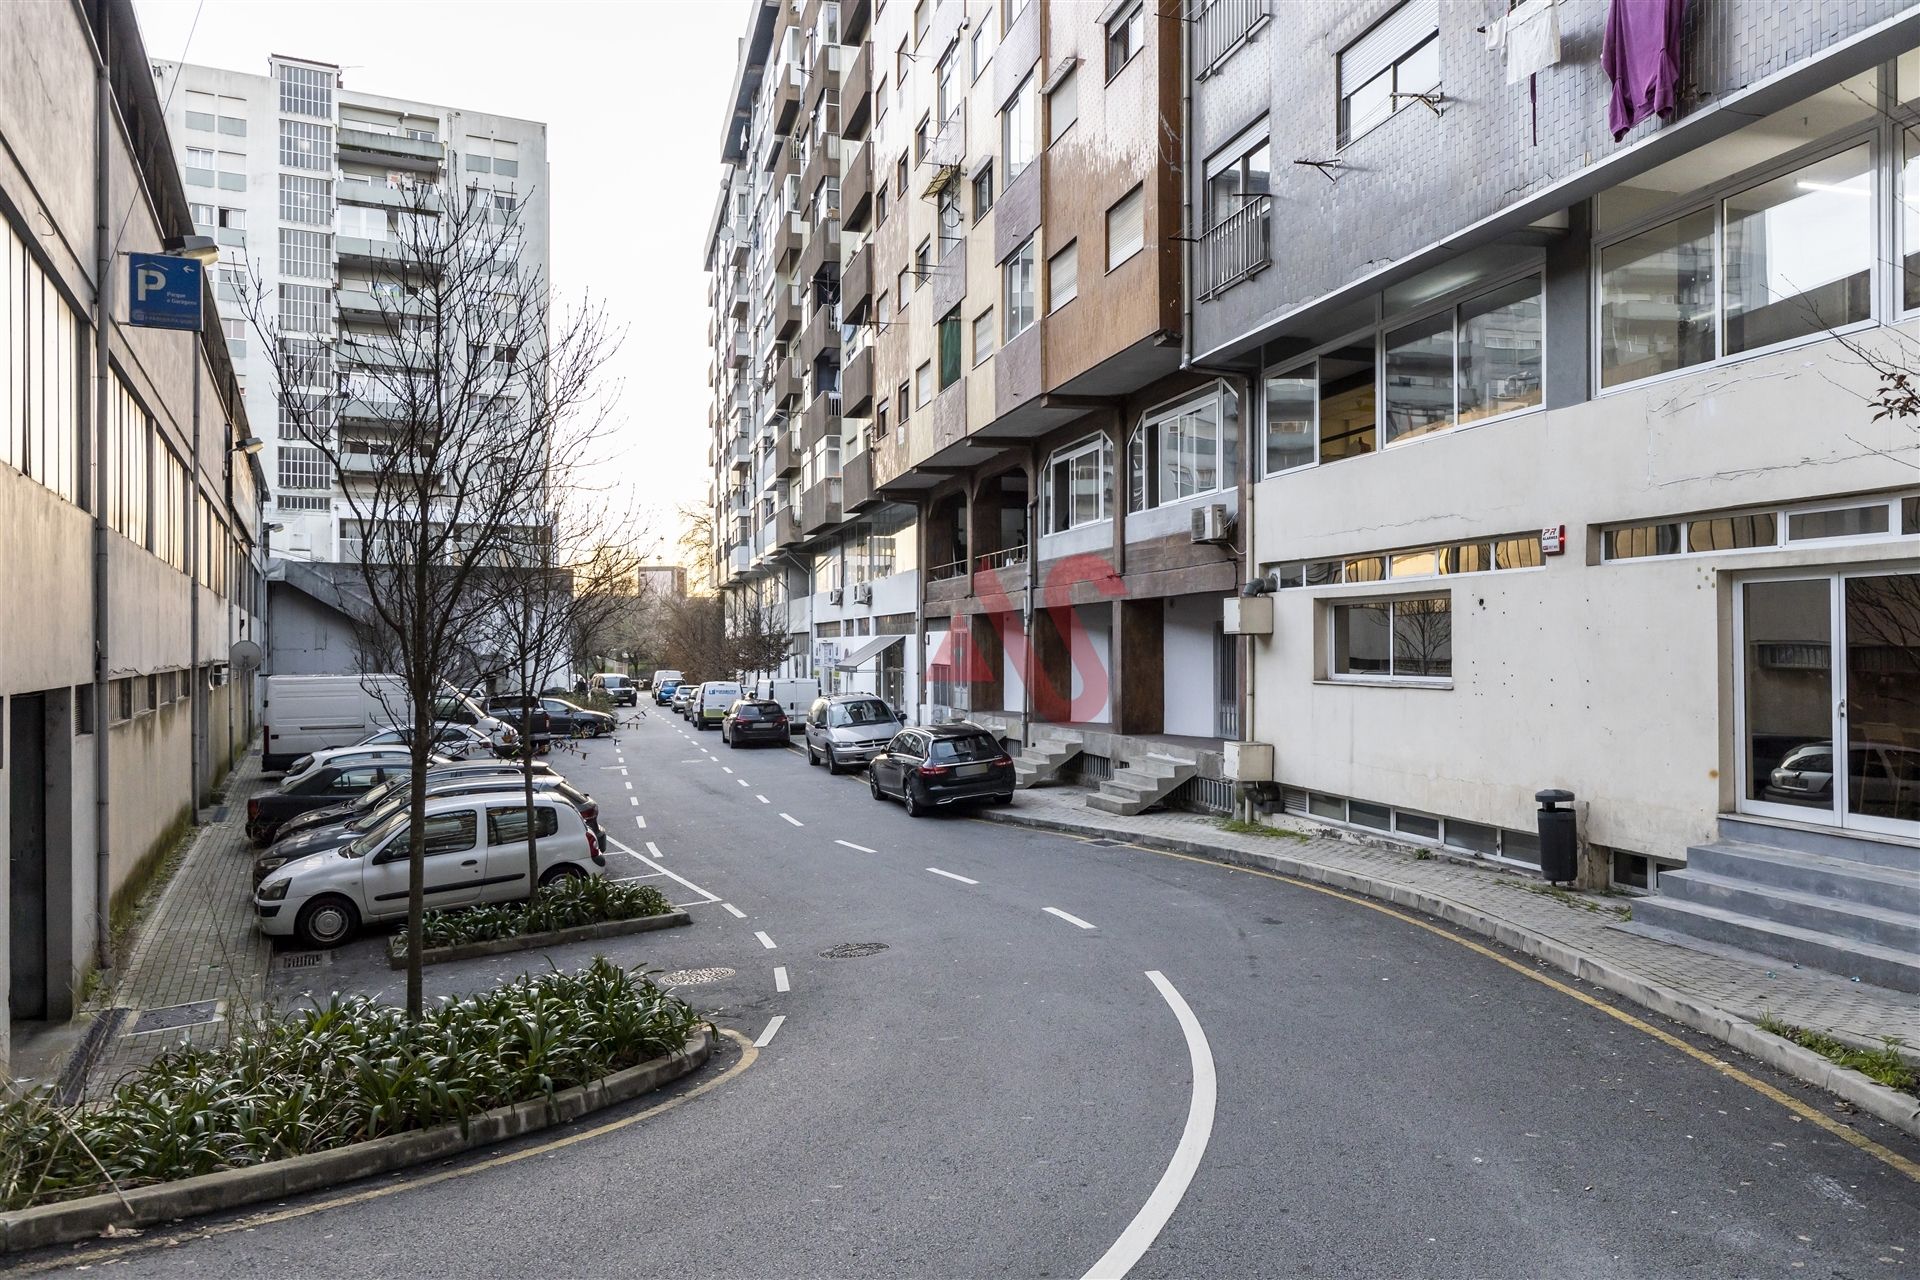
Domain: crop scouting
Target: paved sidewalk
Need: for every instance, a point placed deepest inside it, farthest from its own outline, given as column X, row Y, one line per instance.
column 1575, row 931
column 196, row 947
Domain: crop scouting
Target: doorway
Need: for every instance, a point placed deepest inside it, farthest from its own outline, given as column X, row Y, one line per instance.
column 27, row 857
column 1828, row 713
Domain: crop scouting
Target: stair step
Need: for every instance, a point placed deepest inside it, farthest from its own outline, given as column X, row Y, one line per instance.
column 1847, row 846
column 1843, row 879
column 1883, row 966
column 1819, row 911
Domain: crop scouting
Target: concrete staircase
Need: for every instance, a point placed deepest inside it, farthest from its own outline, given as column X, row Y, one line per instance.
column 1832, row 900
column 1042, row 761
column 1142, row 785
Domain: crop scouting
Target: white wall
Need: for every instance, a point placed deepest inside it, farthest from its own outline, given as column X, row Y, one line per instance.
column 1092, row 664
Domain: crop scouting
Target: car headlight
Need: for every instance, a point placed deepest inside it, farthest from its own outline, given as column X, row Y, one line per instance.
column 274, row 892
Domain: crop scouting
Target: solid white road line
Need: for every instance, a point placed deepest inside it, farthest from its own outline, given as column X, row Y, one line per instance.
column 763, row 800
column 795, row 821
column 1055, row 911
column 1152, row 1218
column 949, row 875
column 780, row 982
column 645, row 875
column 631, row 852
column 765, row 941
column 860, row 848
column 773, row 1028
column 734, row 911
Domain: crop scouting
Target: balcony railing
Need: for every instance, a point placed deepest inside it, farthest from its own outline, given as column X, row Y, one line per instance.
column 1002, row 558
column 1237, row 247
column 944, row 572
column 1221, row 27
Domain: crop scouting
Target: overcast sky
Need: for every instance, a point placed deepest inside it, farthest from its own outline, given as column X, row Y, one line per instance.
column 632, row 93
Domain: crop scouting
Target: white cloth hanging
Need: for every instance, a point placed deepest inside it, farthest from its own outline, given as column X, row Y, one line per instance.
column 1528, row 37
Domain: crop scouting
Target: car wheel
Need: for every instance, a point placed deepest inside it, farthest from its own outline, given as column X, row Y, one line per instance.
column 1005, row 799
column 873, row 785
column 812, row 759
column 732, row 742
column 554, row 875
column 327, row 921
column 916, row 808
column 833, row 761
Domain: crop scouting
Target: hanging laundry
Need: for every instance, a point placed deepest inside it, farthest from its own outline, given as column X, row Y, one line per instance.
column 1528, row 37
column 1641, row 55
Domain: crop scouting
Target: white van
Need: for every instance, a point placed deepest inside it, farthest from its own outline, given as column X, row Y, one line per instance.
column 710, row 706
column 797, row 696
column 303, row 714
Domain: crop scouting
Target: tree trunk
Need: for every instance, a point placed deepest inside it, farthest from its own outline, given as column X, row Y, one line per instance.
column 417, row 847
column 526, row 758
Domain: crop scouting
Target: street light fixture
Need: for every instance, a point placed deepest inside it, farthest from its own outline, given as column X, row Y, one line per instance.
column 252, row 444
column 201, row 249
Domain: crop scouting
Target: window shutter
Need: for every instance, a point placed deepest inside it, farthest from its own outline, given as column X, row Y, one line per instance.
column 1063, row 106
column 1395, row 34
column 1063, row 277
column 1126, row 228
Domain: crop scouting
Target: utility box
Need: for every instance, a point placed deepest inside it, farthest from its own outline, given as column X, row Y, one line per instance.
column 1250, row 761
column 1248, row 615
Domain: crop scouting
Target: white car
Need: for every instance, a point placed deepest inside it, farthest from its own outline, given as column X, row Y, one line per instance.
column 476, row 852
column 351, row 755
column 454, row 741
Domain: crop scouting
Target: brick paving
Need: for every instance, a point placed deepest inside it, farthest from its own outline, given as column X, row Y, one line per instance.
column 1488, row 897
column 198, row 943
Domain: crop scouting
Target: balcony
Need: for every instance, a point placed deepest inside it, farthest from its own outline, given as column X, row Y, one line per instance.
column 786, row 528
column 1222, row 26
column 856, row 187
column 822, row 248
column 416, row 197
column 856, row 382
column 374, row 306
column 787, row 453
column 786, row 309
column 856, row 282
column 737, row 298
column 822, row 161
column 856, row 93
column 360, row 252
column 823, row 75
column 788, row 236
column 856, row 482
column 787, row 385
column 821, row 419
column 740, row 453
column 389, row 149
column 740, row 560
column 740, row 349
column 820, row 336
column 820, row 506
column 1238, row 248
column 788, row 83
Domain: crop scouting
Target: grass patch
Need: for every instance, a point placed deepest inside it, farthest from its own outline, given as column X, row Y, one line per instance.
column 1239, row 828
column 567, row 904
column 1885, row 1065
column 343, row 1072
column 1568, row 899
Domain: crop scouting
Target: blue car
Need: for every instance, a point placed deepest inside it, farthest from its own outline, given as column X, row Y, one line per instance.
column 663, row 692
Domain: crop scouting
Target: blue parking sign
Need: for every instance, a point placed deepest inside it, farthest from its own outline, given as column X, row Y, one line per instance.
column 163, row 292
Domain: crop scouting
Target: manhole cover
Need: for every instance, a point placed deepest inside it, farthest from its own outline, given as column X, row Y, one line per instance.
column 691, row 977
column 305, row 959
column 853, row 950
column 179, row 1015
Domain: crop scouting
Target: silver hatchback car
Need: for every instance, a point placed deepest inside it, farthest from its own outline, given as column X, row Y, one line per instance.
column 849, row 729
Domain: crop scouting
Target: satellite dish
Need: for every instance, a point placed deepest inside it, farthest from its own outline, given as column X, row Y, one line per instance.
column 244, row 656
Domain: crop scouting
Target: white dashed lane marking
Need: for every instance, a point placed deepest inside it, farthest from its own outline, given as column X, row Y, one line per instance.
column 780, row 982
column 734, row 911
column 858, row 848
column 1073, row 920
column 949, row 875
column 795, row 821
column 765, row 941
column 773, row 1028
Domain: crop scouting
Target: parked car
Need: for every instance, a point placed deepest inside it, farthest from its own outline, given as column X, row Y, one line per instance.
column 402, row 785
column 538, row 736
column 617, row 689
column 476, row 852
column 318, row 838
column 454, row 741
column 849, row 729
column 570, row 719
column 342, row 755
column 708, row 709
column 664, row 683
column 754, row 720
column 681, row 697
column 318, row 787
column 1883, row 779
column 795, row 695
column 941, row 765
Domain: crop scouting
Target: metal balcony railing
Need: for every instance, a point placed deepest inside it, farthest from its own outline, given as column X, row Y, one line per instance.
column 1220, row 28
column 1004, row 557
column 944, row 572
column 1237, row 247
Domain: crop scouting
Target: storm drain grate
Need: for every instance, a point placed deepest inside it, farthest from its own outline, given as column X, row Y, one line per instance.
column 853, row 950
column 175, row 1016
column 305, row 959
column 691, row 977
column 1105, row 843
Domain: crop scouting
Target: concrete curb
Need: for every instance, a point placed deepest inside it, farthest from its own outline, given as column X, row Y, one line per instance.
column 534, row 941
column 1900, row 1110
column 87, row 1218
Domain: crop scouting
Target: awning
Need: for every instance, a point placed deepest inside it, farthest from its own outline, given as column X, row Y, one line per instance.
column 854, row 659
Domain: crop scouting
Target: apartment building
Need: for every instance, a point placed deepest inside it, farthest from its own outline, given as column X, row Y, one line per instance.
column 309, row 188
column 129, row 510
column 1568, row 472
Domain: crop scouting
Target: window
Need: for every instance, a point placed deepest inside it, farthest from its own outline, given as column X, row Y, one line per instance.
column 880, row 100
column 980, row 50
column 921, row 17
column 949, row 344
column 303, row 308
column 306, row 146
column 1485, row 555
column 305, row 91
column 949, row 220
column 880, row 203
column 1796, row 255
column 233, row 219
column 1077, row 485
column 235, row 330
column 1063, row 277
column 203, row 214
column 1184, row 450
column 922, row 264
column 302, row 466
column 883, row 310
column 201, row 109
column 130, row 446
column 169, row 507
column 1760, row 530
column 920, row 132
column 946, row 99
column 1011, row 13
column 923, row 384
column 983, row 192
column 1236, row 178
column 308, row 201
column 900, row 64
column 1126, row 227
column 1397, row 60
column 983, row 335
column 1018, row 130
column 509, row 825
column 39, row 372
column 200, row 158
column 233, row 116
column 1016, row 301
column 1063, row 107
column 900, row 176
column 903, row 287
column 1126, row 34
column 880, row 419
column 1409, row 640
column 307, row 254
column 1474, row 361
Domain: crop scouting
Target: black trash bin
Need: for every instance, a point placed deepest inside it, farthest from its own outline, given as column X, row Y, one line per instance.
column 1559, row 841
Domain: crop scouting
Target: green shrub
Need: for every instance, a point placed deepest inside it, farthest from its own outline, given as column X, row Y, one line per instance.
column 566, row 904
column 340, row 1073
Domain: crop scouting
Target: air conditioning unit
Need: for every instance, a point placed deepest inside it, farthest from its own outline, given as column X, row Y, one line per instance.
column 863, row 592
column 1212, row 523
column 835, row 595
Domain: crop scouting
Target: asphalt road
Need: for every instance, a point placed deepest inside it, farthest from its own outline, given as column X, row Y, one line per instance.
column 1071, row 1054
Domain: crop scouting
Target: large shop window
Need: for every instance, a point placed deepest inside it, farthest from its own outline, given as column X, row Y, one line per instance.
column 1077, row 485
column 1183, row 451
column 1792, row 258
column 1321, row 411
column 1473, row 361
column 1405, row 640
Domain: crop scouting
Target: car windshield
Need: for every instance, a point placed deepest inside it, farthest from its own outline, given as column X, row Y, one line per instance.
column 372, row 840
column 976, row 746
column 383, row 737
column 380, row 795
column 867, row 711
column 613, row 682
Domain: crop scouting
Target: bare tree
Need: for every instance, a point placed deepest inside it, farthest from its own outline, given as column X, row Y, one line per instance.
column 431, row 382
column 757, row 631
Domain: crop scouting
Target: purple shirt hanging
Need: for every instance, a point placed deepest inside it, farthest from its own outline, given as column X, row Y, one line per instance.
column 1641, row 56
